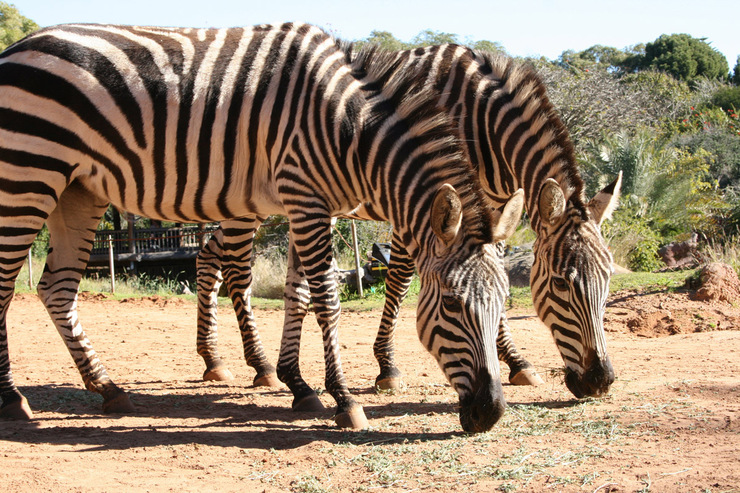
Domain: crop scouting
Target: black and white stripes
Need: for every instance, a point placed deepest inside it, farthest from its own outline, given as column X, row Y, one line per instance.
column 215, row 124
column 514, row 139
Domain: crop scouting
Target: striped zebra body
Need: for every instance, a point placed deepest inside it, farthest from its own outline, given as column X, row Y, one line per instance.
column 212, row 124
column 515, row 140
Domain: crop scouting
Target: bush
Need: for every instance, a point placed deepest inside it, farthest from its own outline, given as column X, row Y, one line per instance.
column 724, row 148
column 631, row 240
column 727, row 98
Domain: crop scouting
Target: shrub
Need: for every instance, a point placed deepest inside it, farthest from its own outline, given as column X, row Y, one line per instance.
column 727, row 98
column 629, row 236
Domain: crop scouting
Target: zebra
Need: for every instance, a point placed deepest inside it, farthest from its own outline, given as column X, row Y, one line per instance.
column 513, row 138
column 202, row 125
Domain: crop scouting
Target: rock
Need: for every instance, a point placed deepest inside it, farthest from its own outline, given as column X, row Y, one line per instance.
column 518, row 264
column 679, row 255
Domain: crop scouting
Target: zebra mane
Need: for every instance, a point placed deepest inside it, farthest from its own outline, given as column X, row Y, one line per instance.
column 527, row 90
column 402, row 93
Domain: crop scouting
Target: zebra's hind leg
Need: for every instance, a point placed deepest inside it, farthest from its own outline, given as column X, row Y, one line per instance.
column 237, row 269
column 12, row 256
column 208, row 269
column 71, row 234
column 397, row 282
column 521, row 371
column 296, row 297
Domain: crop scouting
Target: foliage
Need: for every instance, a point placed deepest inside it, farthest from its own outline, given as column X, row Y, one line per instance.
column 428, row 37
column 384, row 39
column 685, row 197
column 489, row 46
column 659, row 97
column 736, row 72
column 728, row 98
column 710, row 118
column 41, row 243
column 632, row 242
column 638, row 155
column 597, row 103
column 13, row 26
column 716, row 133
column 684, row 57
column 595, row 57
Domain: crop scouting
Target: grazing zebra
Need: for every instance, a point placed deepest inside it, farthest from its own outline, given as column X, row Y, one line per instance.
column 212, row 124
column 514, row 139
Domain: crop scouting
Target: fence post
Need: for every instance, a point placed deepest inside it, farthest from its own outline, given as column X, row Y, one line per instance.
column 358, row 269
column 131, row 240
column 30, row 270
column 111, row 263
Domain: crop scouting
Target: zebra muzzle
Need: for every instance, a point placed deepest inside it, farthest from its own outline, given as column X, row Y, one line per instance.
column 595, row 382
column 483, row 408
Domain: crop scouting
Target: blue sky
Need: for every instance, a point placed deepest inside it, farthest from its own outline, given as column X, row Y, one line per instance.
column 535, row 27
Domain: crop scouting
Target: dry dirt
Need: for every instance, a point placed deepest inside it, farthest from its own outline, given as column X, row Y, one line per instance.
column 670, row 423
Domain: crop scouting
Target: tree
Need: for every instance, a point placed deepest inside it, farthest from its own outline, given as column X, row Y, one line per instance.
column 13, row 26
column 736, row 73
column 429, row 38
column 727, row 98
column 384, row 39
column 597, row 56
column 490, row 46
column 684, row 57
column 598, row 102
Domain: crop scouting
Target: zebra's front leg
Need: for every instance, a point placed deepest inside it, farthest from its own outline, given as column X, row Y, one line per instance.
column 397, row 282
column 521, row 371
column 71, row 234
column 311, row 233
column 237, row 270
column 208, row 271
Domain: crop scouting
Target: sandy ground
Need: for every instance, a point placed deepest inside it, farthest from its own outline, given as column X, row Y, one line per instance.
column 670, row 423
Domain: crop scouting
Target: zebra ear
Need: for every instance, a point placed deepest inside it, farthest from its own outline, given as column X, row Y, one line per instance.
column 551, row 203
column 509, row 217
column 446, row 214
column 604, row 203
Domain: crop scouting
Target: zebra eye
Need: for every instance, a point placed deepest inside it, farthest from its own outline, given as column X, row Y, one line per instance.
column 451, row 303
column 560, row 283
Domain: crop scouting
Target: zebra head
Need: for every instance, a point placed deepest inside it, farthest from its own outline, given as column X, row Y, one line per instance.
column 570, row 283
column 463, row 288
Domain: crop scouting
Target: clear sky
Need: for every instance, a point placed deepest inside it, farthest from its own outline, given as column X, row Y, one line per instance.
column 535, row 27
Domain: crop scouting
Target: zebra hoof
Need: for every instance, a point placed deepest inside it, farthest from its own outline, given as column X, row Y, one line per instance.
column 269, row 380
column 119, row 404
column 354, row 419
column 527, row 376
column 309, row 403
column 19, row 410
column 390, row 383
column 218, row 375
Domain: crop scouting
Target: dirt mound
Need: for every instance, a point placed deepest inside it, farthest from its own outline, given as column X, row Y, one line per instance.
column 156, row 300
column 662, row 314
column 719, row 282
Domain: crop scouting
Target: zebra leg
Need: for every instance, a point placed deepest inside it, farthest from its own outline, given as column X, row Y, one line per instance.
column 71, row 233
column 237, row 270
column 312, row 239
column 13, row 254
column 296, row 297
column 521, row 371
column 208, row 271
column 397, row 282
